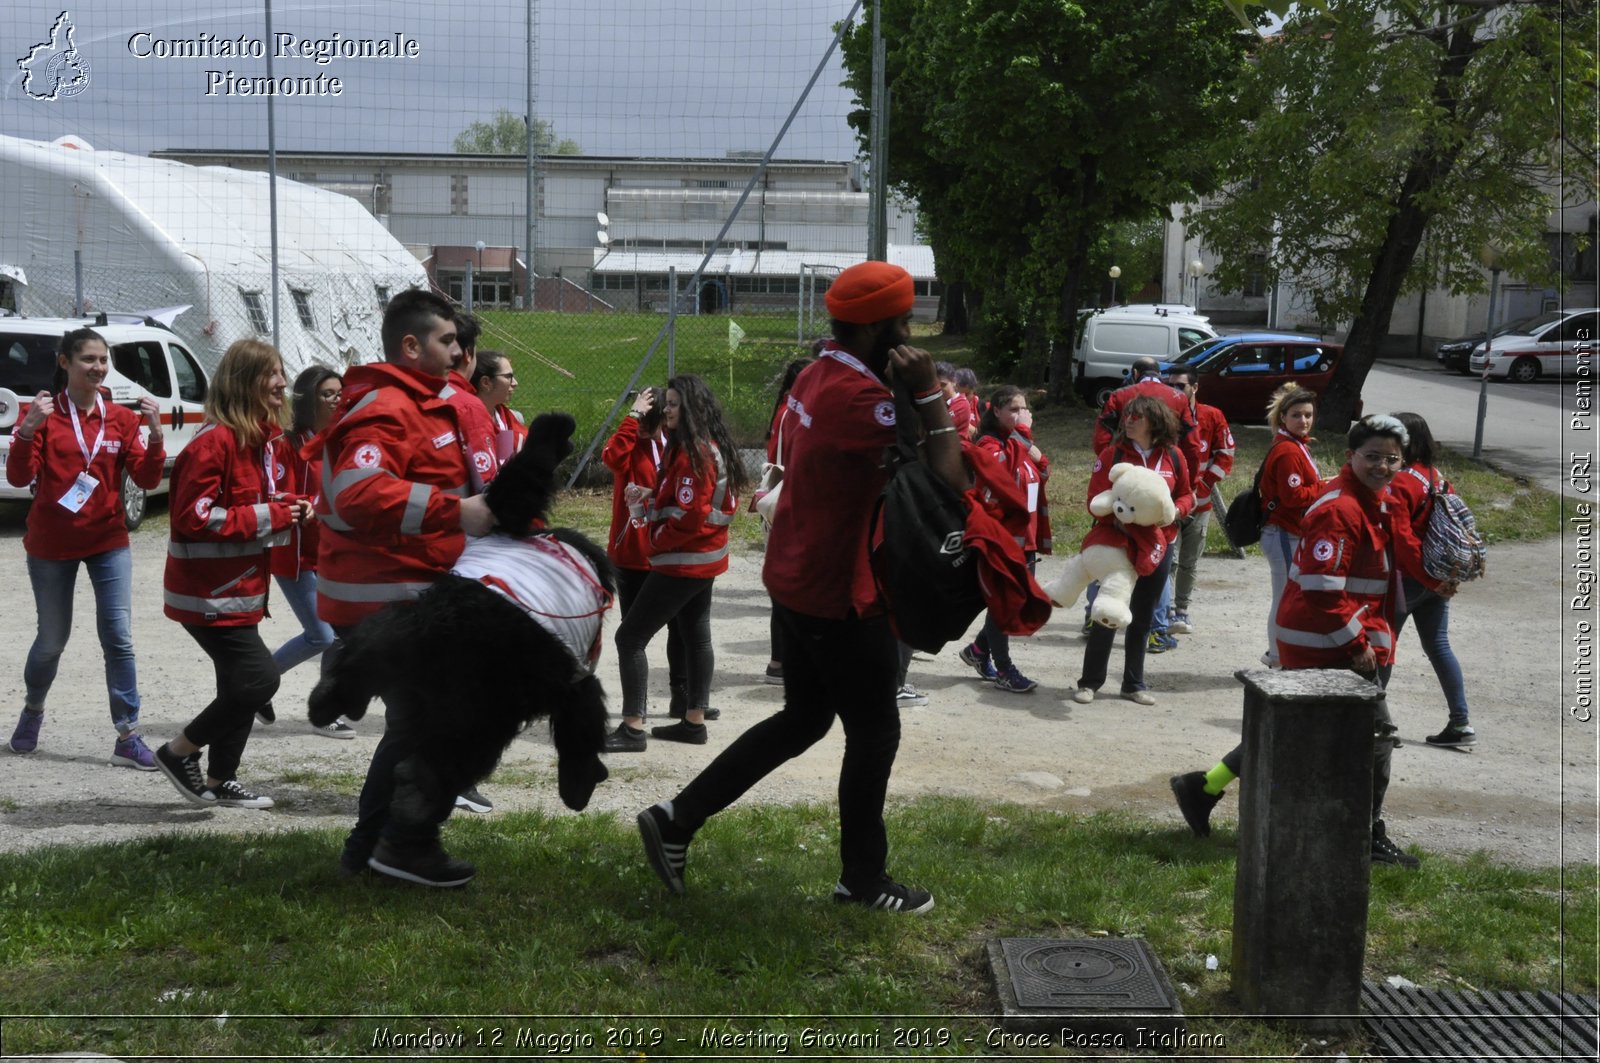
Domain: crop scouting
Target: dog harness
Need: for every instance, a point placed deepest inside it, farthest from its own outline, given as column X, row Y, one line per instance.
column 550, row 581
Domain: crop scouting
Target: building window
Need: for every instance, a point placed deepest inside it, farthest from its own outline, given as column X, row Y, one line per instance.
column 302, row 306
column 710, row 184
column 257, row 311
column 1255, row 284
column 458, row 193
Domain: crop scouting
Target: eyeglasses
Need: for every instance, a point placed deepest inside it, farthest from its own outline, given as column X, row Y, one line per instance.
column 1392, row 460
column 504, row 376
column 328, row 396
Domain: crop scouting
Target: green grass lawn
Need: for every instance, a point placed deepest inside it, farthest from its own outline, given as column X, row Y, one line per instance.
column 136, row 948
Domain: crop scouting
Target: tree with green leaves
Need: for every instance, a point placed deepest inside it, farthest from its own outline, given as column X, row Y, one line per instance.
column 507, row 134
column 1380, row 127
column 1026, row 129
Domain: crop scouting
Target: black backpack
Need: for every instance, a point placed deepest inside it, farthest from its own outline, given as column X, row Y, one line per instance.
column 1245, row 516
column 927, row 578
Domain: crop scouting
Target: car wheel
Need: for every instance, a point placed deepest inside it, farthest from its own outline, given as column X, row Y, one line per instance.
column 1524, row 370
column 1102, row 394
column 134, row 501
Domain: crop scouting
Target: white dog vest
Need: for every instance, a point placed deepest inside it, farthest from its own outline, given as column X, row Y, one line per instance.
column 547, row 579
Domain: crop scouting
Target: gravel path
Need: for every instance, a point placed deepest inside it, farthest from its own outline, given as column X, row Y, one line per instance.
column 1527, row 795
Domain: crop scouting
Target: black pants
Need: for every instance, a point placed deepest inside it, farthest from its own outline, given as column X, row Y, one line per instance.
column 662, row 600
column 401, row 800
column 1097, row 652
column 246, row 680
column 629, row 582
column 843, row 668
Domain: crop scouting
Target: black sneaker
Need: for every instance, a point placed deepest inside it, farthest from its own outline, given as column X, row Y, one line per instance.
column 184, row 772
column 1194, row 802
column 267, row 714
column 1454, row 736
column 625, row 740
column 886, row 894
column 1385, row 851
column 677, row 713
column 434, row 867
column 470, row 800
column 665, row 844
column 230, row 794
column 693, row 734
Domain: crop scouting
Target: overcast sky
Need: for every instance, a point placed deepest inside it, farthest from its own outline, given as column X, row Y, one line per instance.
column 621, row 77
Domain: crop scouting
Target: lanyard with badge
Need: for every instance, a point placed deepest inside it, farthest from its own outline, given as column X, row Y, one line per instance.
column 84, row 486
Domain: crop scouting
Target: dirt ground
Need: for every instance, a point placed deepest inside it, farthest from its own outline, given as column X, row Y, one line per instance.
column 1527, row 795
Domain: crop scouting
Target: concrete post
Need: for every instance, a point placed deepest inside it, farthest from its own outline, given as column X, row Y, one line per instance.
column 1305, row 822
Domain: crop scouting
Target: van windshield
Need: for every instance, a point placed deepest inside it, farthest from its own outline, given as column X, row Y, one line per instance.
column 27, row 362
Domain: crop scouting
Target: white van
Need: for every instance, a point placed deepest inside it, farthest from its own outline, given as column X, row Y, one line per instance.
column 1111, row 340
column 147, row 358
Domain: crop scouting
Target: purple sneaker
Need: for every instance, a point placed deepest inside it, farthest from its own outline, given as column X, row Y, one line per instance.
column 25, row 739
column 131, row 752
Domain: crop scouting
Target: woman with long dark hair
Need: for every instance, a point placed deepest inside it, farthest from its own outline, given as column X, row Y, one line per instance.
column 294, row 566
column 780, row 410
column 74, row 447
column 494, row 380
column 229, row 507
column 1011, row 483
column 1413, row 490
column 688, row 515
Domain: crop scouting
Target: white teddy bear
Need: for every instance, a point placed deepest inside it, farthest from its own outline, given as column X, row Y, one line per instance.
column 1141, row 502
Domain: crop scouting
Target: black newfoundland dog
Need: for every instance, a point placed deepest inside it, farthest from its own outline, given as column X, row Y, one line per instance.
column 510, row 635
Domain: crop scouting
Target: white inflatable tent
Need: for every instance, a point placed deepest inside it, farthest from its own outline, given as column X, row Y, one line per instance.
column 157, row 234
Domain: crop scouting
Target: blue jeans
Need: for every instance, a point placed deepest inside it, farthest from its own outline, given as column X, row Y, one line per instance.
column 316, row 636
column 1279, row 546
column 111, row 575
column 1432, row 614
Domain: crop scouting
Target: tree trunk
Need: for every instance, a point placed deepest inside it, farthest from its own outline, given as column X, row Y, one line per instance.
column 956, row 321
column 1066, row 329
column 1429, row 165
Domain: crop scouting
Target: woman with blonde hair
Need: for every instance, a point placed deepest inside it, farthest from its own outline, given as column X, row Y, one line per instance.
column 1290, row 482
column 228, row 510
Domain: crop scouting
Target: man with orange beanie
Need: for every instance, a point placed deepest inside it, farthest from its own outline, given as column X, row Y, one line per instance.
column 839, row 654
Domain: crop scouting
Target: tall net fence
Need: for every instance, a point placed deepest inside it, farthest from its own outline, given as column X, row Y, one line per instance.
column 135, row 161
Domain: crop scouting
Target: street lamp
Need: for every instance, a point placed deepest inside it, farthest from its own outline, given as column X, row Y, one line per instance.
column 1491, row 258
column 1114, row 272
column 1196, row 268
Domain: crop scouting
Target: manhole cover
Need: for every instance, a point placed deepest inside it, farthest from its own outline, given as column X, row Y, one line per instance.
column 1102, row 983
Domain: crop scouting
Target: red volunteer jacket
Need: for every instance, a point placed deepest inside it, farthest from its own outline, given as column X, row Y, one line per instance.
column 1016, row 602
column 52, row 459
column 1016, row 499
column 1289, row 482
column 841, row 419
column 1105, row 425
column 510, row 431
column 1145, row 545
column 1339, row 596
column 228, row 506
column 299, row 555
column 961, row 414
column 631, row 459
column 394, row 472
column 1216, row 453
column 1409, row 504
column 476, row 430
column 690, row 514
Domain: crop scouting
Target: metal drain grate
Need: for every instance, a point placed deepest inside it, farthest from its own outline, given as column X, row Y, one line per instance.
column 1425, row 1024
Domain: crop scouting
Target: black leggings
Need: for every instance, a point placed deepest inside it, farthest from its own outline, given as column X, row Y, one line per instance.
column 629, row 583
column 1097, row 651
column 843, row 668
column 661, row 600
column 246, row 680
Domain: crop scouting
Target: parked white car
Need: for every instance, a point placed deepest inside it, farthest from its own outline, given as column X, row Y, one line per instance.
column 1547, row 345
column 1109, row 342
column 147, row 358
